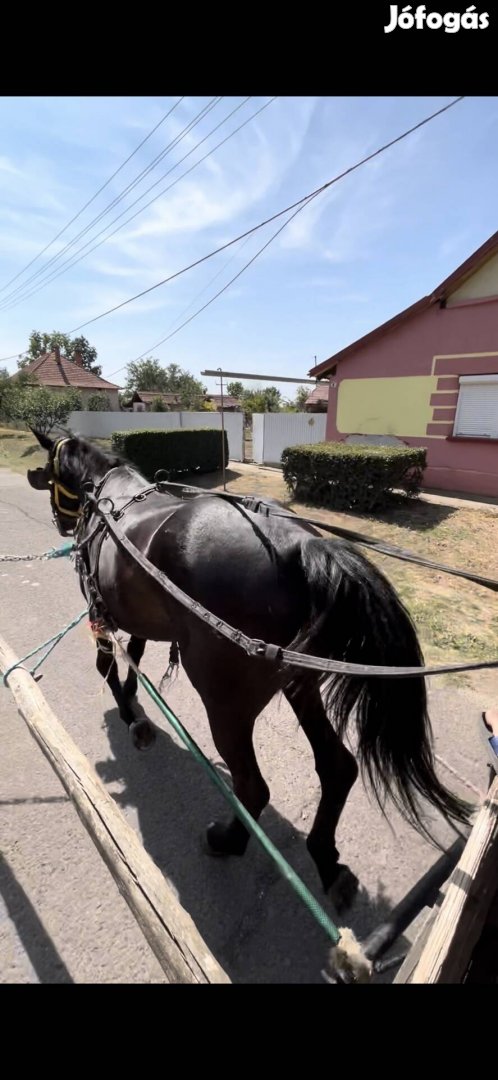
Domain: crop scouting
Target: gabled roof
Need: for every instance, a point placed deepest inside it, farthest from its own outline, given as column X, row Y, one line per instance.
column 320, row 393
column 148, row 396
column 229, row 402
column 441, row 293
column 53, row 370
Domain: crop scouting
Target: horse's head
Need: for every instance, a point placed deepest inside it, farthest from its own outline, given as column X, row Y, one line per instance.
column 71, row 463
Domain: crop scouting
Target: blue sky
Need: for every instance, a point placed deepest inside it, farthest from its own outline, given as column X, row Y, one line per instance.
column 374, row 243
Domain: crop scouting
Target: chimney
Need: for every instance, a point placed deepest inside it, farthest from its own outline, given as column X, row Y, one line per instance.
column 77, row 358
column 57, row 353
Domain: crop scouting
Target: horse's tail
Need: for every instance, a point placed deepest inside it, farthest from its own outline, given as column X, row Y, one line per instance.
column 357, row 616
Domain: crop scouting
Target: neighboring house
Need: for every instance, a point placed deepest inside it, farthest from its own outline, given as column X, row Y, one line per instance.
column 429, row 377
column 56, row 373
column 230, row 404
column 317, row 401
column 143, row 399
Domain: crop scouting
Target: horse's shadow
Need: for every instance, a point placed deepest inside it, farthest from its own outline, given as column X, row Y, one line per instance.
column 250, row 918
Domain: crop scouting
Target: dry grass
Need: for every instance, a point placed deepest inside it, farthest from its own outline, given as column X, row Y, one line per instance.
column 20, row 451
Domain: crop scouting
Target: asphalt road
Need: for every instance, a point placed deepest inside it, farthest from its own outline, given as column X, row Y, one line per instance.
column 62, row 918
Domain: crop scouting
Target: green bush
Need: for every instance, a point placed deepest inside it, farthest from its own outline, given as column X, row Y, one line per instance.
column 343, row 476
column 178, row 452
column 99, row 402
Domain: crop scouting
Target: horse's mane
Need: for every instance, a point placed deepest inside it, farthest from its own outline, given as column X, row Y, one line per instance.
column 84, row 458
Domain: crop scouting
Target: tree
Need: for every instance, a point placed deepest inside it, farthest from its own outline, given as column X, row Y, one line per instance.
column 258, row 401
column 3, row 374
column 149, row 374
column 98, row 403
column 40, row 343
column 302, row 395
column 38, row 407
column 236, row 390
column 9, row 391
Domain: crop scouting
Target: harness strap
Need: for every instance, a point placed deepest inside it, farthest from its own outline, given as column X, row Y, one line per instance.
column 258, row 506
column 262, row 649
column 60, row 489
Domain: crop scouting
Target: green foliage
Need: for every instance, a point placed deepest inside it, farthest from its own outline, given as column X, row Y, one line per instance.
column 158, row 405
column 178, row 452
column 302, row 395
column 149, row 374
column 3, row 374
column 235, row 389
column 40, row 343
column 99, row 403
column 38, row 407
column 343, row 476
column 260, row 400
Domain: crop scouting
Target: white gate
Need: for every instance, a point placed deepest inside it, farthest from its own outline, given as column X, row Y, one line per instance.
column 273, row 432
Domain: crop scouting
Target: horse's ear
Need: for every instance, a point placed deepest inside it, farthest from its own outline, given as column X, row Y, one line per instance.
column 45, row 442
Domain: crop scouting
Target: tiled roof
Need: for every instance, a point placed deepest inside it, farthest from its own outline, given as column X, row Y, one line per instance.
column 229, row 402
column 148, row 396
column 51, row 370
column 320, row 393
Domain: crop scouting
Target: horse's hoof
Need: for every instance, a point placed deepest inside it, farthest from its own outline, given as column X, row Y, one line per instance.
column 143, row 734
column 221, row 841
column 344, row 888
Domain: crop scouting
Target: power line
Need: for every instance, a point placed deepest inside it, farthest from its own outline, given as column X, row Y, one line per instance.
column 18, row 294
column 172, row 332
column 267, row 221
column 183, row 312
column 97, row 193
column 299, row 202
column 225, row 287
column 69, row 263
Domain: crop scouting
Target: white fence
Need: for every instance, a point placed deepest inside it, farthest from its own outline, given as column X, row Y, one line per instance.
column 273, row 432
column 100, row 425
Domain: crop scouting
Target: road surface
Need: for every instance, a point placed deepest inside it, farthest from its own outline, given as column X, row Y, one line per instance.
column 62, row 918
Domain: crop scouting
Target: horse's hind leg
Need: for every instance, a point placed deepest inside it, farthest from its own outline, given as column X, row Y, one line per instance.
column 136, row 649
column 337, row 771
column 141, row 730
column 233, row 738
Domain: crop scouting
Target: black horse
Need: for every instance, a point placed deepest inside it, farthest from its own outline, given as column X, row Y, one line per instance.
column 276, row 580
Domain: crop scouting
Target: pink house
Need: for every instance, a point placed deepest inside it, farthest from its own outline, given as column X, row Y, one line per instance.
column 429, row 377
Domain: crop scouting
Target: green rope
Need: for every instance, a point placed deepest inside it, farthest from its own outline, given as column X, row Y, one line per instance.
column 59, row 553
column 53, row 553
column 282, row 865
column 52, row 642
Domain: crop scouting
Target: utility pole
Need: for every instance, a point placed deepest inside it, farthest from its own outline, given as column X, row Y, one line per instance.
column 222, row 430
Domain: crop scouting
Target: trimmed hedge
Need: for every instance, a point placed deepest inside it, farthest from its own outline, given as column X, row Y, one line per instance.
column 178, row 452
column 344, row 476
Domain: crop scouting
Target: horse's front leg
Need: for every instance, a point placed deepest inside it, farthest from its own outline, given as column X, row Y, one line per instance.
column 141, row 731
column 136, row 649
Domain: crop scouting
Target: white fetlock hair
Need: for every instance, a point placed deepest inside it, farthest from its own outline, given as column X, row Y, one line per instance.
column 347, row 959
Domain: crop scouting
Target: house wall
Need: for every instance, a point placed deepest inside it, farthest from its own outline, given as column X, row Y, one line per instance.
column 113, row 395
column 405, row 384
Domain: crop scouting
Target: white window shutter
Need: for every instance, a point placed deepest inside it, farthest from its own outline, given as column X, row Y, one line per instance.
column 477, row 409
